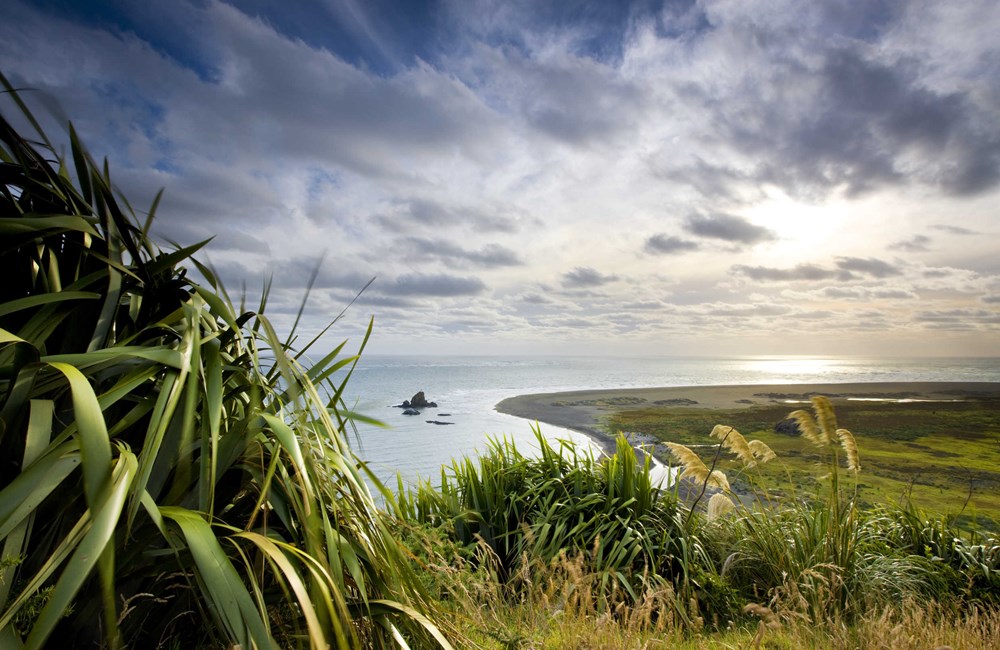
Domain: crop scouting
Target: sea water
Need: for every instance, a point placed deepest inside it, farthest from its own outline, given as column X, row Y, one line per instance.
column 467, row 389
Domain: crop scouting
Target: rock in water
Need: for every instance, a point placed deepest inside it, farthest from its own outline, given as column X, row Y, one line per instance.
column 418, row 401
column 411, row 412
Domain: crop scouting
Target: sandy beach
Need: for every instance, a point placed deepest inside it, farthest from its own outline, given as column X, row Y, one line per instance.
column 582, row 410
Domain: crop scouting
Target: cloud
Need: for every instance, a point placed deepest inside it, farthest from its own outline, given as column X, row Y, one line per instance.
column 727, row 227
column 816, row 112
column 868, row 266
column 417, row 215
column 461, row 156
column 808, row 272
column 452, row 255
column 894, row 294
column 669, row 245
column 440, row 286
column 954, row 230
column 845, row 293
column 958, row 318
column 585, row 277
column 915, row 244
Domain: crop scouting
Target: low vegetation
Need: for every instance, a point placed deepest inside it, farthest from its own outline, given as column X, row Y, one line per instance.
column 637, row 565
column 943, row 457
column 176, row 475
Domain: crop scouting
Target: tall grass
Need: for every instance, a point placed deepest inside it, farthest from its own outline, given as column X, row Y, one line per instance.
column 565, row 505
column 593, row 543
column 175, row 473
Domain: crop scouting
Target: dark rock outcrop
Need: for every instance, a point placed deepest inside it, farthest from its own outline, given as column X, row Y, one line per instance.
column 788, row 426
column 418, row 401
column 438, row 422
column 411, row 412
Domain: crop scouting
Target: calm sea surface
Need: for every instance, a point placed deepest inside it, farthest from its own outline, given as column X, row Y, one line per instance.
column 466, row 390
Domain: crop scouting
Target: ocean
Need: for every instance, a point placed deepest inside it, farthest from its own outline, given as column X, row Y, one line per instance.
column 466, row 390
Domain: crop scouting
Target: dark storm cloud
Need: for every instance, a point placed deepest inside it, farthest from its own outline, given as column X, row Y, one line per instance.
column 876, row 268
column 809, row 272
column 489, row 256
column 669, row 245
column 418, row 285
column 727, row 227
column 915, row 244
column 584, row 277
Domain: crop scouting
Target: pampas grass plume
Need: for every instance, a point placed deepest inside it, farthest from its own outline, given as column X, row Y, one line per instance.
column 807, row 426
column 719, row 506
column 826, row 418
column 761, row 451
column 695, row 469
column 850, row 448
column 718, row 479
column 734, row 441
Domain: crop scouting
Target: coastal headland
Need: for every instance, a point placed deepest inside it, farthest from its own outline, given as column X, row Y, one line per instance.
column 586, row 411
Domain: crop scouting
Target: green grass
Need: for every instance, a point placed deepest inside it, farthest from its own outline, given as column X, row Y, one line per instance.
column 930, row 454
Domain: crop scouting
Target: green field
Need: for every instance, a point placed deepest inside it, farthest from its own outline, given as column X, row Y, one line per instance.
column 944, row 456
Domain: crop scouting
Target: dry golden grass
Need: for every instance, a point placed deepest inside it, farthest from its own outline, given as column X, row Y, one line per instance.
column 560, row 605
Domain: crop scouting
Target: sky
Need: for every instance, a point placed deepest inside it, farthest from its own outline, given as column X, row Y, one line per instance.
column 718, row 177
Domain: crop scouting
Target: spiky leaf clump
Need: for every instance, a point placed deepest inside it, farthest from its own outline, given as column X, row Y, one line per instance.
column 176, row 473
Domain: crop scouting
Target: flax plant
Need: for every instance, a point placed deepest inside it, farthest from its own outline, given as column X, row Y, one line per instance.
column 564, row 501
column 177, row 474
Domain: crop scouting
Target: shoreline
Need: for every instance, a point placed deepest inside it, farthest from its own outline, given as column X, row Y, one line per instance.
column 582, row 410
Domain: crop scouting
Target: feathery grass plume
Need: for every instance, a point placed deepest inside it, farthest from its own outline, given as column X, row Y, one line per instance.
column 761, row 451
column 718, row 479
column 807, row 426
column 734, row 441
column 826, row 418
column 719, row 506
column 850, row 448
column 687, row 458
column 695, row 469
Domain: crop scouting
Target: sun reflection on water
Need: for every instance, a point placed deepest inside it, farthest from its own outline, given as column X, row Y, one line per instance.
column 786, row 369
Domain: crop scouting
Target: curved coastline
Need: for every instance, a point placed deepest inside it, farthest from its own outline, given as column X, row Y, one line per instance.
column 582, row 410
